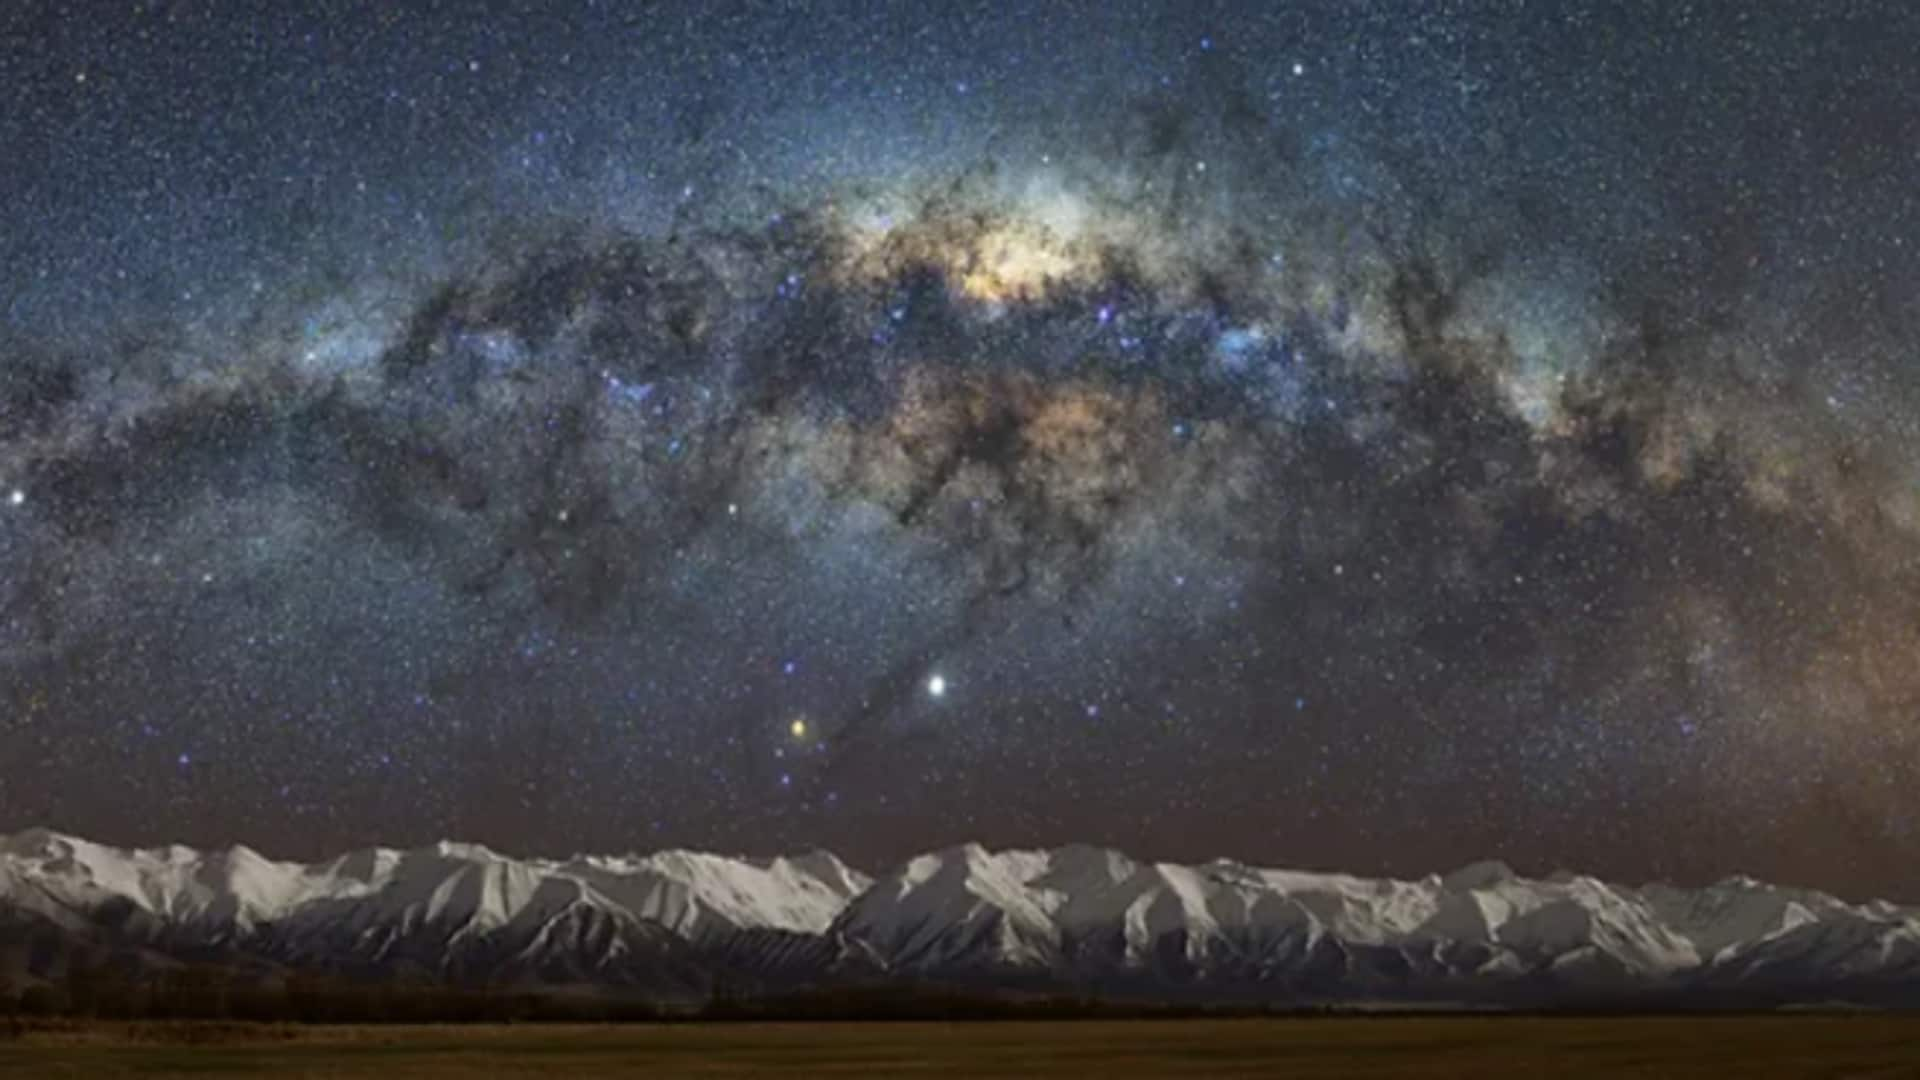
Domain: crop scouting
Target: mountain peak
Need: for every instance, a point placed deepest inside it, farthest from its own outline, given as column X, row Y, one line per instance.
column 1484, row 874
column 455, row 849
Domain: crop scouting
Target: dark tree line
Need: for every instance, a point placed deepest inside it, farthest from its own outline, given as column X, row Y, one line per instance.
column 210, row 992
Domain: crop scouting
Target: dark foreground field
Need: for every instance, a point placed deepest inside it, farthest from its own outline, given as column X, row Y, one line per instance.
column 1745, row 1047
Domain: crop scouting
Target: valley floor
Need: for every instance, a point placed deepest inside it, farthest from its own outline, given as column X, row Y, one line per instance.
column 1749, row 1047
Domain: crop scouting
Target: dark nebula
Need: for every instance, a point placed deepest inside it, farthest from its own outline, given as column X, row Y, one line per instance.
column 1363, row 440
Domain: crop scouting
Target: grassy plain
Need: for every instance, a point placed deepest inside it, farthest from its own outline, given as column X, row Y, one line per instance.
column 1744, row 1047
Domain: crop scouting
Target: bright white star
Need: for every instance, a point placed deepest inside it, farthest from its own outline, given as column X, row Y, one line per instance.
column 937, row 686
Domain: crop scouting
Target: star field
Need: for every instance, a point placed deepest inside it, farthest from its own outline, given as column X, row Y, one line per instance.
column 1374, row 437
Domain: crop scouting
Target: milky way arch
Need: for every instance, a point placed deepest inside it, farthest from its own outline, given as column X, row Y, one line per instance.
column 1232, row 479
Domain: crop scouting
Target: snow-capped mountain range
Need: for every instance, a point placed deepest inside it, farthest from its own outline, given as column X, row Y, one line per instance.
column 676, row 924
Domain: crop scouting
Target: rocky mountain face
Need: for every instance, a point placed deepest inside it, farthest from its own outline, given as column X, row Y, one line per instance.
column 679, row 925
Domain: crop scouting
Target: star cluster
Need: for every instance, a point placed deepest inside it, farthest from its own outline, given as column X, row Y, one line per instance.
column 1376, row 439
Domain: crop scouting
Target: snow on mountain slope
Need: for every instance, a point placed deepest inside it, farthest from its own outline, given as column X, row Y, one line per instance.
column 694, row 894
column 962, row 907
column 1080, row 908
column 447, row 884
column 1072, row 914
column 1738, row 914
column 175, row 884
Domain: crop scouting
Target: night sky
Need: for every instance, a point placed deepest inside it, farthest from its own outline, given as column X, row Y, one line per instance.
column 1359, row 436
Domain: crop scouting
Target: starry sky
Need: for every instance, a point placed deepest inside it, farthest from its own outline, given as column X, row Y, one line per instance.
column 1363, row 436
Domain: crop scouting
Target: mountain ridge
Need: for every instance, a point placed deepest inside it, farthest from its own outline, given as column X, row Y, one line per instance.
column 680, row 924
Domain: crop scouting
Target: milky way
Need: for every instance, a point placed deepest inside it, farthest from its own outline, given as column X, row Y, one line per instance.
column 1374, row 441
